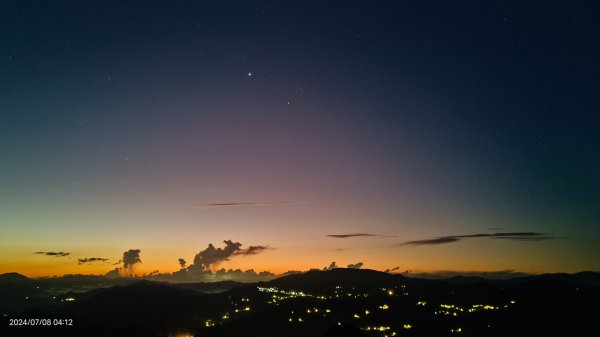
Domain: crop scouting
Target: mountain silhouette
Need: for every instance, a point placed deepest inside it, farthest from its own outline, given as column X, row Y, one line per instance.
column 338, row 302
column 13, row 277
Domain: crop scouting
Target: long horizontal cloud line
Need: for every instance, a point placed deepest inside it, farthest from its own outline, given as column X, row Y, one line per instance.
column 513, row 234
column 517, row 236
column 91, row 259
column 57, row 254
column 352, row 235
column 436, row 241
column 244, row 204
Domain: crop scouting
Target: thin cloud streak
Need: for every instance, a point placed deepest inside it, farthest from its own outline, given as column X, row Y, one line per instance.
column 248, row 204
column 352, row 235
column 91, row 259
column 56, row 254
column 493, row 274
column 436, row 241
column 516, row 236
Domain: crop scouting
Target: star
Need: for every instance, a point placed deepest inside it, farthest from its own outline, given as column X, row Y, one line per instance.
column 250, row 74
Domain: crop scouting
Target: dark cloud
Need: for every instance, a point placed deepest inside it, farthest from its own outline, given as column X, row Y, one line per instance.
column 152, row 273
column 240, row 204
column 114, row 273
column 351, row 235
column 436, row 241
column 57, row 254
column 510, row 235
column 130, row 259
column 517, row 236
column 91, row 259
column 242, row 276
column 213, row 256
column 527, row 238
column 496, row 274
column 182, row 263
column 252, row 250
column 392, row 269
column 332, row 265
column 355, row 265
column 187, row 275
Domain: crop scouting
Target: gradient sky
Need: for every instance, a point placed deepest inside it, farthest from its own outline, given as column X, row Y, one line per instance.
column 122, row 121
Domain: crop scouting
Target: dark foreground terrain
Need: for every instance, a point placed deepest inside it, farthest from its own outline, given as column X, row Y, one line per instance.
column 340, row 302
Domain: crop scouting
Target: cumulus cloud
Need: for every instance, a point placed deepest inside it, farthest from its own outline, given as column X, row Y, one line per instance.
column 56, row 254
column 332, row 265
column 516, row 236
column 242, row 276
column 213, row 256
column 114, row 273
column 355, row 265
column 182, row 263
column 91, row 259
column 130, row 259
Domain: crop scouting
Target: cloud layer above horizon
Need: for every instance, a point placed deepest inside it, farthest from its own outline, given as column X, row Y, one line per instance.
column 516, row 236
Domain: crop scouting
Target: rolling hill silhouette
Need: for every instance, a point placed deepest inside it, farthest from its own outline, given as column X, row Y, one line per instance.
column 339, row 302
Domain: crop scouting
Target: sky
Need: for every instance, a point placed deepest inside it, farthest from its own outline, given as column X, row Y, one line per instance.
column 450, row 136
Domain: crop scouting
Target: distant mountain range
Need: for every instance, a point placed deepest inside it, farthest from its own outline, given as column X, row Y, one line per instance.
column 339, row 302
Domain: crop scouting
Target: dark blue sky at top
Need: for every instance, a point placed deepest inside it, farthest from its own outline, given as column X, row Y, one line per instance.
column 496, row 102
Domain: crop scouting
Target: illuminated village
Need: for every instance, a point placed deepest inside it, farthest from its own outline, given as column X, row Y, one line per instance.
column 373, row 303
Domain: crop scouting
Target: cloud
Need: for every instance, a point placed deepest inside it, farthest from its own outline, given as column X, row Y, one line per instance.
column 213, row 256
column 516, row 236
column 351, row 235
column 332, row 265
column 252, row 250
column 246, row 204
column 355, row 265
column 114, row 273
column 130, row 259
column 527, row 238
column 496, row 274
column 56, row 254
column 182, row 263
column 391, row 269
column 436, row 241
column 510, row 235
column 91, row 259
column 185, row 275
column 242, row 276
